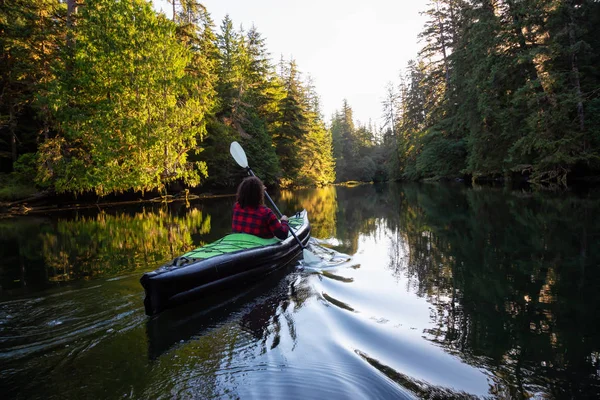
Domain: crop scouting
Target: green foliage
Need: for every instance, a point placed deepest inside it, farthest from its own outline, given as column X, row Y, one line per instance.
column 345, row 143
column 292, row 124
column 260, row 150
column 387, row 158
column 500, row 88
column 316, row 148
column 358, row 155
column 367, row 169
column 25, row 169
column 440, row 157
column 129, row 112
column 317, row 158
column 12, row 191
column 29, row 33
column 19, row 184
column 221, row 168
column 115, row 97
column 245, row 83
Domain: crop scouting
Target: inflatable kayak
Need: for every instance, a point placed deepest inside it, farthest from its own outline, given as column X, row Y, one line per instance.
column 233, row 259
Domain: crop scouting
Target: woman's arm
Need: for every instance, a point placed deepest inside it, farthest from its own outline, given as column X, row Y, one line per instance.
column 279, row 229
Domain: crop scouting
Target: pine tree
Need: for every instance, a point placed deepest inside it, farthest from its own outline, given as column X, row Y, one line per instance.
column 261, row 99
column 318, row 166
column 558, row 138
column 345, row 148
column 413, row 122
column 390, row 108
column 244, row 87
column 292, row 124
column 354, row 148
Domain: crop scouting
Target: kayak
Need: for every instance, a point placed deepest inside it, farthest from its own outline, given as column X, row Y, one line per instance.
column 233, row 259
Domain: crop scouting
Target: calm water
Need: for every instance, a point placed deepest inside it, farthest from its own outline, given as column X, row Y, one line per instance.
column 451, row 292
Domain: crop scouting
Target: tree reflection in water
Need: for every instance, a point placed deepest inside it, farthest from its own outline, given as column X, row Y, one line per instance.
column 512, row 275
column 90, row 244
column 513, row 278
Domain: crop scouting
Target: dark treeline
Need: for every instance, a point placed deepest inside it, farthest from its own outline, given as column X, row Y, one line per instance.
column 108, row 96
column 501, row 89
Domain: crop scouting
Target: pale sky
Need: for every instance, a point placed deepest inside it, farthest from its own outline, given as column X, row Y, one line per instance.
column 351, row 48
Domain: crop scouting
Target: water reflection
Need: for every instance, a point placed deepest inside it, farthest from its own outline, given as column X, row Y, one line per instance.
column 452, row 292
column 39, row 251
column 512, row 276
column 258, row 308
column 513, row 280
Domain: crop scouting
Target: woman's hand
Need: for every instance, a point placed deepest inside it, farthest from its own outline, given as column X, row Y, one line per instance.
column 284, row 218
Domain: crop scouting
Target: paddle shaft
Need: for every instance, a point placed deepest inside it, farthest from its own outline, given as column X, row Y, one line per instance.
column 250, row 172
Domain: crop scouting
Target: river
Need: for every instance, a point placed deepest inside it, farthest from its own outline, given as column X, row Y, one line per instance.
column 451, row 292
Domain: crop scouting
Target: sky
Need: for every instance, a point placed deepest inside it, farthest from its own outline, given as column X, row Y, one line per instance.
column 350, row 48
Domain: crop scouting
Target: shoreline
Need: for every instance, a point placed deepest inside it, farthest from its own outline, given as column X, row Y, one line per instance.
column 51, row 202
column 20, row 208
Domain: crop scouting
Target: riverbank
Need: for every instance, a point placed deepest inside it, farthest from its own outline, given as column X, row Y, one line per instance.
column 46, row 200
column 19, row 199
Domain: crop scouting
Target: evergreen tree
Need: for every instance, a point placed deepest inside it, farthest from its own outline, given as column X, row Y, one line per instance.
column 503, row 88
column 412, row 124
column 558, row 138
column 230, row 86
column 261, row 101
column 390, row 108
column 354, row 148
column 292, row 124
column 318, row 166
column 115, row 97
column 344, row 145
column 244, row 81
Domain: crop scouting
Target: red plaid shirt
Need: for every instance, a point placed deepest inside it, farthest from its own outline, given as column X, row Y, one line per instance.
column 258, row 221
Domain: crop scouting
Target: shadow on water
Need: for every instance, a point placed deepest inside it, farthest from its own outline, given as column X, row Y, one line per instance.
column 254, row 305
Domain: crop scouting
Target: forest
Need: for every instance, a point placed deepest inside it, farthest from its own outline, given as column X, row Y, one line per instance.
column 111, row 96
column 108, row 96
column 506, row 89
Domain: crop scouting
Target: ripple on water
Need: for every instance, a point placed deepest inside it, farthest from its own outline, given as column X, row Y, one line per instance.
column 331, row 374
column 69, row 318
column 401, row 349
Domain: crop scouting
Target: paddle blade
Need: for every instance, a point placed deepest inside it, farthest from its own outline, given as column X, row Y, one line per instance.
column 238, row 154
column 310, row 257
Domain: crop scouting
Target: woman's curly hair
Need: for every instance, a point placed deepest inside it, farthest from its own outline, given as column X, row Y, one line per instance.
column 251, row 192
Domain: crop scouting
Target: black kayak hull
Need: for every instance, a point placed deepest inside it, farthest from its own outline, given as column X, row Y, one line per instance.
column 169, row 285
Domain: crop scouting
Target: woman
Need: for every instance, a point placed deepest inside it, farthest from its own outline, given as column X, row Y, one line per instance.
column 250, row 214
